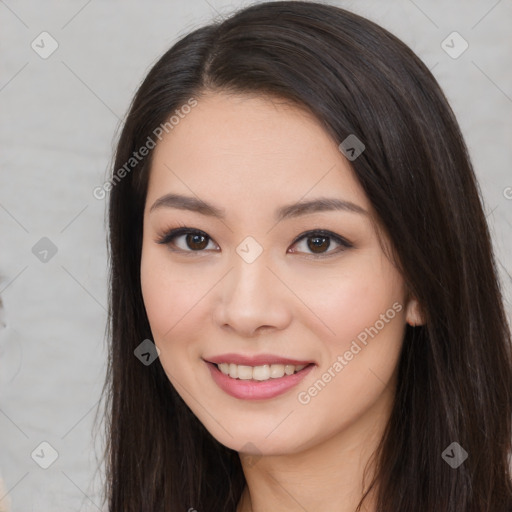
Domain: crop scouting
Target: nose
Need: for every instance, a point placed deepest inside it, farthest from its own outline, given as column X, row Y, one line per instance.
column 252, row 299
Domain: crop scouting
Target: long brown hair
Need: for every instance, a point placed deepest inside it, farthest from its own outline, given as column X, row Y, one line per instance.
column 455, row 372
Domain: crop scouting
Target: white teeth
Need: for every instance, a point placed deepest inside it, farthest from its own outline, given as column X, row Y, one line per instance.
column 276, row 371
column 233, row 371
column 263, row 372
column 244, row 372
column 289, row 369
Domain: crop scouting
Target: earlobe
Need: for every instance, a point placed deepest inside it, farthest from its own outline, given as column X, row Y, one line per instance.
column 414, row 316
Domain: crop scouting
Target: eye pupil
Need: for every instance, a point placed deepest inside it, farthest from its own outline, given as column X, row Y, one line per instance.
column 318, row 243
column 196, row 242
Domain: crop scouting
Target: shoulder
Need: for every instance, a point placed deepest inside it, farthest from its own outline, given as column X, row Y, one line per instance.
column 5, row 503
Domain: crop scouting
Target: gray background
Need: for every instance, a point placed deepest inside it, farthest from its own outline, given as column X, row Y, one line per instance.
column 59, row 119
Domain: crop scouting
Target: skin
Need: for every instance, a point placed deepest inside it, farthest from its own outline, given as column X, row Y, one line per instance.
column 249, row 155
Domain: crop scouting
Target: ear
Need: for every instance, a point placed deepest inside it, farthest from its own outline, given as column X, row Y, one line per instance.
column 414, row 315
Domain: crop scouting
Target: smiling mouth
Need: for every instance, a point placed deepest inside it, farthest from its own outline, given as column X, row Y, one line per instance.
column 258, row 382
column 261, row 372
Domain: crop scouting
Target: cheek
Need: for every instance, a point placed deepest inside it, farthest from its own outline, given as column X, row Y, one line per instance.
column 175, row 305
column 364, row 309
column 351, row 303
column 164, row 306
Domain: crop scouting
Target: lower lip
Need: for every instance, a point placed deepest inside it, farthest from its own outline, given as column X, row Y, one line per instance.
column 254, row 389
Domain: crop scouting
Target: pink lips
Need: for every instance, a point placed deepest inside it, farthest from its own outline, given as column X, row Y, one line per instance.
column 253, row 389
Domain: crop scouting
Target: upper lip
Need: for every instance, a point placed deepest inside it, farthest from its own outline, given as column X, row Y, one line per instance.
column 254, row 360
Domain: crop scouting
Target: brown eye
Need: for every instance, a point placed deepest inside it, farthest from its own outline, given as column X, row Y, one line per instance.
column 318, row 242
column 186, row 240
column 196, row 242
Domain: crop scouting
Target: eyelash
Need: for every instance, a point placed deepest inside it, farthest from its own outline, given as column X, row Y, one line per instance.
column 171, row 234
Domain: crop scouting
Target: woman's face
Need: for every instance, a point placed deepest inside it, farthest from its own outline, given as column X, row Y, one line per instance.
column 268, row 278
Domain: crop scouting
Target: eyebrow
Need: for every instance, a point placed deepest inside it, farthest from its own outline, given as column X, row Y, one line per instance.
column 319, row 204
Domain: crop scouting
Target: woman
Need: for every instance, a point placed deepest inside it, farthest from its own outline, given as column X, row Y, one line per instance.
column 305, row 313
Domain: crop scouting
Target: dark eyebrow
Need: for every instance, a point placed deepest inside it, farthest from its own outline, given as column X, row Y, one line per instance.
column 284, row 212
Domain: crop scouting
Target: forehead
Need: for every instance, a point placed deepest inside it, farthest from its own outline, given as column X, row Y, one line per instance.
column 248, row 148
